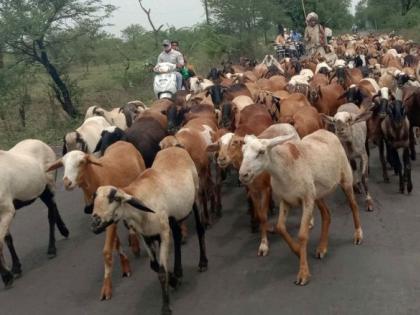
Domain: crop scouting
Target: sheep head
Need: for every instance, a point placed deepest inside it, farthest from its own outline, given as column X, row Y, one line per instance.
column 108, row 209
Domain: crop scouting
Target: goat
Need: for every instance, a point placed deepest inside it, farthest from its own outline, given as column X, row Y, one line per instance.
column 23, row 180
column 165, row 194
column 115, row 117
column 194, row 137
column 88, row 173
column 86, row 137
column 396, row 128
column 229, row 149
column 145, row 134
column 132, row 110
column 299, row 177
column 350, row 127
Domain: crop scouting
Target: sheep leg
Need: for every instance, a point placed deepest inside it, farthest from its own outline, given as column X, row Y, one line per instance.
column 175, row 278
column 253, row 201
column 383, row 162
column 322, row 249
column 163, row 274
column 6, row 275
column 218, row 190
column 346, row 185
column 47, row 198
column 210, row 190
column 125, row 263
column 16, row 266
column 133, row 242
column 5, row 221
column 106, row 291
column 398, row 166
column 154, row 265
column 281, row 228
column 364, row 171
column 202, row 265
column 262, row 214
column 203, row 200
column 407, row 169
column 304, row 275
column 412, row 143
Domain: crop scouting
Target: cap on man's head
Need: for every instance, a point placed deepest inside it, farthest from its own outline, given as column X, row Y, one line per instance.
column 166, row 42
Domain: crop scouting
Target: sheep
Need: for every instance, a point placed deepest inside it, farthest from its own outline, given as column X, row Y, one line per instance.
column 165, row 194
column 350, row 127
column 194, row 137
column 87, row 172
column 145, row 134
column 199, row 84
column 115, row 117
column 229, row 148
column 323, row 67
column 86, row 137
column 395, row 128
column 132, row 110
column 23, row 179
column 299, row 177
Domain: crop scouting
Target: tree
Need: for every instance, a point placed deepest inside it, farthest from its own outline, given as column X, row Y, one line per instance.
column 30, row 29
column 155, row 30
column 206, row 9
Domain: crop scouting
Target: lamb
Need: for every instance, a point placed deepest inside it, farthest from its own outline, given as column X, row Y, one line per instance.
column 86, row 137
column 299, row 178
column 165, row 194
column 87, row 172
column 23, row 180
column 350, row 127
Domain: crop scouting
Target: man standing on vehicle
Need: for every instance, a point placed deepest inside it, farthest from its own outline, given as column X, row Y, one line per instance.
column 172, row 56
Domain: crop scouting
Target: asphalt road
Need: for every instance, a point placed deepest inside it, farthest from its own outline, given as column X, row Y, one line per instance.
column 379, row 277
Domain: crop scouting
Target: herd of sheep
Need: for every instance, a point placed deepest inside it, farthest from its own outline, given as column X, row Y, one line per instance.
column 294, row 130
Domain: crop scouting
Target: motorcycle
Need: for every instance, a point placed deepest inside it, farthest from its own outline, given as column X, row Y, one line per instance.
column 164, row 84
column 290, row 50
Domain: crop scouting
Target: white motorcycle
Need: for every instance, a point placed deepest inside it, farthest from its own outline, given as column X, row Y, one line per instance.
column 164, row 84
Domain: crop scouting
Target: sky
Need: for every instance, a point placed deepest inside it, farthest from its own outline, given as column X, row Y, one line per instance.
column 178, row 13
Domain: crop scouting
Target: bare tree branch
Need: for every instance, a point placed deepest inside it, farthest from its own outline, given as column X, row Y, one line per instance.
column 155, row 30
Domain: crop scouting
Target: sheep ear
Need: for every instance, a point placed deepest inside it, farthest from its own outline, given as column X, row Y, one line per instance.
column 365, row 115
column 136, row 203
column 327, row 119
column 93, row 160
column 214, row 147
column 279, row 140
column 57, row 164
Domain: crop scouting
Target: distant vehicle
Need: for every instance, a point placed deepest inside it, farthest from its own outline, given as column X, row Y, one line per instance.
column 164, row 84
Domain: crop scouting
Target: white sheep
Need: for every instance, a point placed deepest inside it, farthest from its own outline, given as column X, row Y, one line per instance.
column 86, row 137
column 115, row 117
column 23, row 179
column 303, row 172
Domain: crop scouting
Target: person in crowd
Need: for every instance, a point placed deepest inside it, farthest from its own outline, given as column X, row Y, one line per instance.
column 280, row 40
column 314, row 36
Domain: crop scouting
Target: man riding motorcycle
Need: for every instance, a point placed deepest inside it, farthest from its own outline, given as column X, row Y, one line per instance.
column 172, row 56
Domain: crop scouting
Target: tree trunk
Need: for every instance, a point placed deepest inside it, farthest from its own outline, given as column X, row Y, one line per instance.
column 1, row 57
column 206, row 7
column 61, row 91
